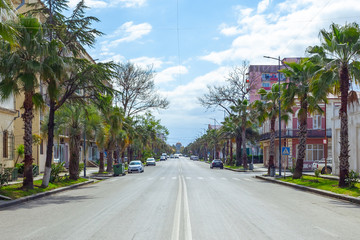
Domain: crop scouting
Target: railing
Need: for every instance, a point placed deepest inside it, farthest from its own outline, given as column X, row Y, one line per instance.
column 294, row 133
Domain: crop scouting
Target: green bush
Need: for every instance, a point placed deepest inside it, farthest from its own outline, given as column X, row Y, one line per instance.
column 5, row 173
column 56, row 169
column 317, row 173
column 352, row 179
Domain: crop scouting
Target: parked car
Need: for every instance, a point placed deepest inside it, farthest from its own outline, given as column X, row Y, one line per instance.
column 217, row 163
column 162, row 158
column 136, row 166
column 164, row 154
column 320, row 165
column 176, row 156
column 194, row 157
column 172, row 156
column 150, row 161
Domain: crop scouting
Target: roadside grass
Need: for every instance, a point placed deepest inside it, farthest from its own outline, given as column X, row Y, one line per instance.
column 324, row 184
column 14, row 191
column 235, row 167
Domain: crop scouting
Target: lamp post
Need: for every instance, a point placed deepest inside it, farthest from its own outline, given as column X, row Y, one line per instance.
column 278, row 59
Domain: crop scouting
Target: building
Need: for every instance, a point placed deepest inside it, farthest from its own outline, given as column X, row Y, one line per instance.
column 354, row 136
column 319, row 126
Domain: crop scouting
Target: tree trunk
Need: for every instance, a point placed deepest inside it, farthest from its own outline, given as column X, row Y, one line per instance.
column 231, row 163
column 302, row 144
column 243, row 136
column 238, row 150
column 109, row 160
column 50, row 145
column 101, row 162
column 28, row 159
column 344, row 134
column 74, row 156
column 272, row 144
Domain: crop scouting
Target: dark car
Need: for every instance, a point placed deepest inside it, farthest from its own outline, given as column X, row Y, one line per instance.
column 217, row 163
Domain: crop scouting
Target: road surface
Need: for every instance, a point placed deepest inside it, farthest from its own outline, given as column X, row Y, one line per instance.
column 182, row 199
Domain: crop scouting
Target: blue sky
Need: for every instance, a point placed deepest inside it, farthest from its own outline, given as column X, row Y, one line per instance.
column 195, row 43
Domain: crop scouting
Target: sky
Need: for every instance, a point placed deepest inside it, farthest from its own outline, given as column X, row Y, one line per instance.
column 192, row 44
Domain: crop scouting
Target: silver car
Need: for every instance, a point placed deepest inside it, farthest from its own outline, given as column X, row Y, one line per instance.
column 136, row 166
column 150, row 161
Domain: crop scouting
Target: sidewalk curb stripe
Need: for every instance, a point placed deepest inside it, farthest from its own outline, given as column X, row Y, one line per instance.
column 355, row 200
column 43, row 194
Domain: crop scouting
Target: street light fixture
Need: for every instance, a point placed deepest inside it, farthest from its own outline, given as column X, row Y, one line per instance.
column 278, row 59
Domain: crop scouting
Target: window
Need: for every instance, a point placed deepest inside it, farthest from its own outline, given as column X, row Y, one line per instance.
column 5, row 144
column 265, row 85
column 317, row 122
column 313, row 152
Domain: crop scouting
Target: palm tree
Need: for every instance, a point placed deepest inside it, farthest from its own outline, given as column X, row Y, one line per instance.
column 7, row 15
column 20, row 69
column 338, row 54
column 298, row 88
column 232, row 129
column 268, row 109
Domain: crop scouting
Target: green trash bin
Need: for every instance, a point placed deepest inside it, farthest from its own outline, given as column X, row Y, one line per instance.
column 118, row 169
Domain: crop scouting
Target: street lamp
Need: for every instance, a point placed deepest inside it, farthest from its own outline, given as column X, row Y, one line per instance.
column 278, row 59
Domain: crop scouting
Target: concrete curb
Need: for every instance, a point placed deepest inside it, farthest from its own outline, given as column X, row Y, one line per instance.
column 43, row 194
column 355, row 200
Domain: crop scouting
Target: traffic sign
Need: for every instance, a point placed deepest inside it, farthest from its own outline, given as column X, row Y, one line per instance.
column 285, row 151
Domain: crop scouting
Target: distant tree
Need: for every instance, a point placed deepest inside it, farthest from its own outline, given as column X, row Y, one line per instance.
column 232, row 95
column 136, row 89
column 267, row 109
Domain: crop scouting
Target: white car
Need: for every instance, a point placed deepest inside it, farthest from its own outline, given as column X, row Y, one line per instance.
column 320, row 165
column 136, row 166
column 150, row 161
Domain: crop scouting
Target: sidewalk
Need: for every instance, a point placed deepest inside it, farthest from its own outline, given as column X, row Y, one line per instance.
column 347, row 198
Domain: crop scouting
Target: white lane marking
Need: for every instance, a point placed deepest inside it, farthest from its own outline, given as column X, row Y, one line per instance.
column 326, row 232
column 150, row 178
column 176, row 225
column 173, row 178
column 212, row 178
column 113, row 180
column 236, row 179
column 200, row 178
column 162, row 178
column 187, row 225
column 247, row 179
column 223, row 178
column 188, row 178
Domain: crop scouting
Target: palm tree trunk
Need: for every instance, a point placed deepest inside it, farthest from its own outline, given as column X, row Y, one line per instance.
column 302, row 144
column 344, row 133
column 238, row 150
column 272, row 144
column 101, row 162
column 244, row 154
column 109, row 160
column 231, row 153
column 50, row 145
column 74, row 156
column 27, row 118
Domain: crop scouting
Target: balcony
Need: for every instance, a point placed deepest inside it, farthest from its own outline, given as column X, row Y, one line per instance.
column 294, row 133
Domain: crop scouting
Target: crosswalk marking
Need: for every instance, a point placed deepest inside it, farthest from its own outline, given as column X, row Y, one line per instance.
column 162, row 178
column 173, row 178
column 236, row 179
column 200, row 178
column 224, row 178
column 247, row 179
column 189, row 178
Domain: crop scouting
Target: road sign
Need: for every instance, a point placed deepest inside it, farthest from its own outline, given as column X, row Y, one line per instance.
column 285, row 151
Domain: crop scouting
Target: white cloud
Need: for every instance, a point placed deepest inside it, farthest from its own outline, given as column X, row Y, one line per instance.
column 128, row 32
column 169, row 74
column 147, row 61
column 287, row 29
column 110, row 3
column 262, row 6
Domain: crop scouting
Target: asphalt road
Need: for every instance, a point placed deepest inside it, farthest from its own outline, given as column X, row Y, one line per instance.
column 182, row 199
